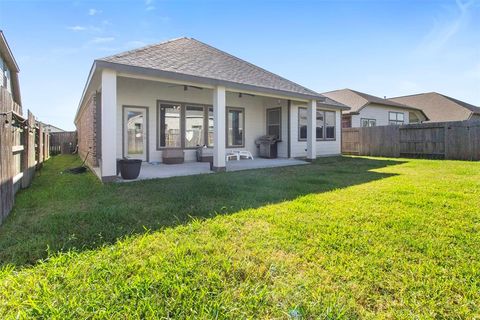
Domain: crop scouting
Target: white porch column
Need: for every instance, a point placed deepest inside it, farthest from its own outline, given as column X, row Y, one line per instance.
column 311, row 130
column 109, row 125
column 219, row 128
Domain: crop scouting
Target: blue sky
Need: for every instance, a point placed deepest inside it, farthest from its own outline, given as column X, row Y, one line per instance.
column 386, row 48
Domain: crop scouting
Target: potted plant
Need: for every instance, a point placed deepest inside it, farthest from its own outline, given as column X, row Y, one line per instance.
column 130, row 168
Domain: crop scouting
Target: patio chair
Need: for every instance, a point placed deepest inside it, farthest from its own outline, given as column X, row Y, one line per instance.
column 232, row 155
column 243, row 153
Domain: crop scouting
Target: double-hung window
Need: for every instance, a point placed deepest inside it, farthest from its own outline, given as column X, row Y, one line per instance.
column 170, row 125
column 329, row 125
column 194, row 126
column 302, row 124
column 364, row 122
column 396, row 118
column 235, row 127
column 274, row 122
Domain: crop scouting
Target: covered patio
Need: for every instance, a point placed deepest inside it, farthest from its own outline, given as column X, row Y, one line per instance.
column 160, row 170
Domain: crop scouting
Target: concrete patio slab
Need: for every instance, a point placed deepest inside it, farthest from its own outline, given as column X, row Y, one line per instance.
column 159, row 171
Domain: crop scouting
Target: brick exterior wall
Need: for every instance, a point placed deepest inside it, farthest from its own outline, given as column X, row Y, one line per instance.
column 87, row 132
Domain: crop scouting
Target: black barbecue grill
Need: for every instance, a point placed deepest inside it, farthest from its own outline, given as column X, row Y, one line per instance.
column 267, row 146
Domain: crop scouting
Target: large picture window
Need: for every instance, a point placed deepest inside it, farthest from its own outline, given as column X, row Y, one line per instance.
column 194, row 126
column 184, row 125
column 274, row 122
column 396, row 118
column 170, row 129
column 235, row 127
column 325, row 124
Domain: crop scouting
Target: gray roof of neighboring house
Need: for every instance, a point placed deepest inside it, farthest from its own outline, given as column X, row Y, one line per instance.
column 358, row 100
column 439, row 107
column 7, row 53
column 188, row 56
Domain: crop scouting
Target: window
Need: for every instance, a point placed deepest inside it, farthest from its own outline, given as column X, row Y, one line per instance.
column 325, row 124
column 302, row 123
column 5, row 76
column 194, row 126
column 329, row 124
column 346, row 121
column 169, row 133
column 210, row 127
column 274, row 122
column 395, row 118
column 364, row 122
column 235, row 127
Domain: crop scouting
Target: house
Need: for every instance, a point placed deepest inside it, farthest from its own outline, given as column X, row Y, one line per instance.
column 51, row 128
column 9, row 73
column 367, row 110
column 182, row 94
column 439, row 107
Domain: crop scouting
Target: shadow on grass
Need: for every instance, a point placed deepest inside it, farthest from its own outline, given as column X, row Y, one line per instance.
column 75, row 212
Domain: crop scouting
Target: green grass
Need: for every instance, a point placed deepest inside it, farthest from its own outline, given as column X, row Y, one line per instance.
column 342, row 238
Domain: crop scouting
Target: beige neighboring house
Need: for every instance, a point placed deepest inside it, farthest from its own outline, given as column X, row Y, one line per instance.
column 368, row 111
column 440, row 108
column 51, row 128
column 9, row 71
column 176, row 96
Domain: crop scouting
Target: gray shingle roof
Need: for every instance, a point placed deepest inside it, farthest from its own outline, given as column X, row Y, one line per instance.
column 439, row 107
column 357, row 100
column 191, row 57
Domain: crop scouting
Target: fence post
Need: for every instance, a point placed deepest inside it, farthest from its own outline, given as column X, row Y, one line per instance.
column 29, row 151
column 6, row 161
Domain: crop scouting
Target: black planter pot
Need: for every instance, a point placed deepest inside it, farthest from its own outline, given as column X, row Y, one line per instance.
column 130, row 168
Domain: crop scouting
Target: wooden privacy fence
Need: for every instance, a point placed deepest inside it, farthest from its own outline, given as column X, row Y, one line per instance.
column 459, row 140
column 24, row 146
column 63, row 142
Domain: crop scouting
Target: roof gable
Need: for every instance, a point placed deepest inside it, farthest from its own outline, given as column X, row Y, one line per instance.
column 439, row 107
column 191, row 57
column 358, row 100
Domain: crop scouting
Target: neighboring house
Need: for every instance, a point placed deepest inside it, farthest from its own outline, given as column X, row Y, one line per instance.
column 51, row 128
column 367, row 110
column 183, row 93
column 439, row 107
column 9, row 72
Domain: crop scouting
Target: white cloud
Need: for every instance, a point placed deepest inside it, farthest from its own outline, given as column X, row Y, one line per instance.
column 93, row 12
column 77, row 28
column 149, row 5
column 447, row 26
column 102, row 39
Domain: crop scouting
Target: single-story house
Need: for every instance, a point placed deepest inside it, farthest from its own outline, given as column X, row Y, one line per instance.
column 367, row 110
column 439, row 107
column 182, row 94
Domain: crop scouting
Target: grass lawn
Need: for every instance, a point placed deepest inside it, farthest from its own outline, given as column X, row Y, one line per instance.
column 341, row 238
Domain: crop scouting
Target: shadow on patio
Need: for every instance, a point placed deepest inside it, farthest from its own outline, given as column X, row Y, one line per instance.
column 76, row 212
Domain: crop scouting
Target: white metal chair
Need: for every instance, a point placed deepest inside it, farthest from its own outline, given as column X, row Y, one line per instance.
column 244, row 153
column 232, row 154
